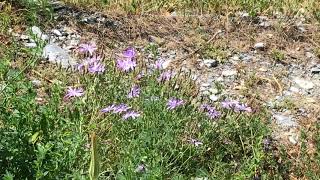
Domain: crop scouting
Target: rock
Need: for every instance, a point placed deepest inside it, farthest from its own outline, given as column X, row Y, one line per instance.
column 166, row 64
column 265, row 24
column 303, row 83
column 285, row 121
column 56, row 32
column 214, row 90
column 38, row 33
column 210, row 63
column 30, row 45
column 235, row 58
column 245, row 57
column 229, row 72
column 259, row 46
column 213, row 97
column 316, row 70
column 36, row 82
column 310, row 55
column 244, row 15
column 55, row 54
column 294, row 89
column 293, row 138
column 24, row 37
column 205, row 84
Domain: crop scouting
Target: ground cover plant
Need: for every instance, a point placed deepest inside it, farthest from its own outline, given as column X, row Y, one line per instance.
column 125, row 118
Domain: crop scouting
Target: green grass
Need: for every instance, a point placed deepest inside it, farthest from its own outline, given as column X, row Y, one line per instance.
column 49, row 140
column 72, row 139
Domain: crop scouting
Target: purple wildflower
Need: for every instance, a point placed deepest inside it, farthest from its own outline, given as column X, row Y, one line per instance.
column 120, row 108
column 195, row 142
column 140, row 75
column 165, row 76
column 229, row 104
column 236, row 106
column 158, row 64
column 90, row 47
column 131, row 114
column 242, row 107
column 108, row 108
column 96, row 68
column 213, row 114
column 74, row 92
column 134, row 92
column 129, row 53
column 126, row 65
column 174, row 103
column 88, row 61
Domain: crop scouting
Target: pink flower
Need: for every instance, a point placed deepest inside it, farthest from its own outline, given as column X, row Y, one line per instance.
column 134, row 92
column 131, row 114
column 90, row 47
column 74, row 92
column 174, row 103
column 126, row 65
column 96, row 68
column 129, row 53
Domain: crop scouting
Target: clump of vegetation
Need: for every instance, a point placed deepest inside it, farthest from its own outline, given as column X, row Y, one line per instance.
column 277, row 55
column 121, row 118
column 215, row 52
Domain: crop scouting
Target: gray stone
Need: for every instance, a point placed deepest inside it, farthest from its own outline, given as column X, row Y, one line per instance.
column 245, row 57
column 303, row 83
column 36, row 82
column 293, row 138
column 316, row 70
column 55, row 54
column 214, row 90
column 285, row 121
column 229, row 72
column 259, row 46
column 205, row 84
column 265, row 24
column 30, row 45
column 213, row 97
column 38, row 33
column 210, row 63
column 24, row 37
column 56, row 32
column 310, row 55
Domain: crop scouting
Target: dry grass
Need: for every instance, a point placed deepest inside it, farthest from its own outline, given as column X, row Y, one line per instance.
column 202, row 6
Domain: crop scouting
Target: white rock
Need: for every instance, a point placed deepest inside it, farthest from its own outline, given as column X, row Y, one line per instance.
column 24, row 37
column 56, row 32
column 265, row 24
column 213, row 90
column 293, row 138
column 30, row 45
column 166, row 64
column 310, row 55
column 38, row 33
column 57, row 55
column 259, row 45
column 36, row 82
column 285, row 121
column 213, row 97
column 294, row 89
column 303, row 83
column 210, row 63
column 229, row 73
column 205, row 84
